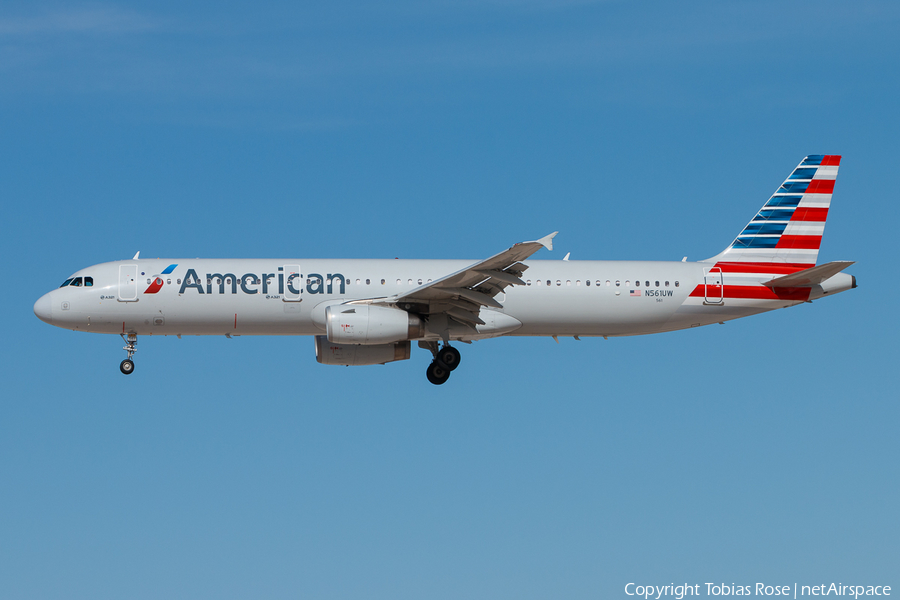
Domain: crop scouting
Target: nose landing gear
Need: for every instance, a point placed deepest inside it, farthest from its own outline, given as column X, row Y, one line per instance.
column 127, row 365
column 445, row 360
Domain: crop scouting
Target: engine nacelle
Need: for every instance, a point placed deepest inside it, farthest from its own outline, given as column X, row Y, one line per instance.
column 370, row 325
column 329, row 353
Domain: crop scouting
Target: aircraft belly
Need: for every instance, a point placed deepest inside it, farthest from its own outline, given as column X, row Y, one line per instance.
column 172, row 314
column 580, row 313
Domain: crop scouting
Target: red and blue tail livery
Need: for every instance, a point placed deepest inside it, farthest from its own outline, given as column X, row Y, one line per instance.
column 782, row 239
column 788, row 229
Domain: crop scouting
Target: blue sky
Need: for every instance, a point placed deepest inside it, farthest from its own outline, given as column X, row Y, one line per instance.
column 764, row 450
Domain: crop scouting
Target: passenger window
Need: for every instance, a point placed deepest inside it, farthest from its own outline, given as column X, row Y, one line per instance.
column 410, row 282
column 628, row 283
column 667, row 284
column 577, row 282
column 357, row 282
column 636, row 283
column 607, row 283
column 617, row 283
column 420, row 282
column 657, row 284
column 548, row 283
column 179, row 281
column 676, row 284
column 398, row 282
column 67, row 282
column 568, row 282
column 368, row 281
column 538, row 282
column 587, row 282
column 528, row 282
column 382, row 282
column 169, row 281
column 558, row 283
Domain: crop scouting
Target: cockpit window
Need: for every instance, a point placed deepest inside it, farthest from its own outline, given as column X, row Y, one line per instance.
column 67, row 282
column 88, row 282
column 76, row 282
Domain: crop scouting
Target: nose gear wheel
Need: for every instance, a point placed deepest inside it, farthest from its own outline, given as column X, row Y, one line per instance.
column 127, row 365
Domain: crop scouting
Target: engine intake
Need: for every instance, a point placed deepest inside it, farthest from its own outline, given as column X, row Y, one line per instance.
column 370, row 325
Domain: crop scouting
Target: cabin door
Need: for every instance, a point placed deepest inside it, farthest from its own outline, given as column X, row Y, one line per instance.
column 713, row 287
column 127, row 283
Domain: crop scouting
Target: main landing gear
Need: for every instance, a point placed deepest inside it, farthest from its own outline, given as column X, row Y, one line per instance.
column 445, row 360
column 127, row 365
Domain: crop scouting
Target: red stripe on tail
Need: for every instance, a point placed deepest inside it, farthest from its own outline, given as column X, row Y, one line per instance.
column 759, row 267
column 820, row 186
column 755, row 292
column 800, row 242
column 810, row 214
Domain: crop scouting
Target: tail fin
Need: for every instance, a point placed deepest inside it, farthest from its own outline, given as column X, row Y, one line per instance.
column 787, row 231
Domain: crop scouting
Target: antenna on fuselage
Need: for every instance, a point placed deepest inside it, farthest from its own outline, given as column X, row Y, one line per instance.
column 137, row 255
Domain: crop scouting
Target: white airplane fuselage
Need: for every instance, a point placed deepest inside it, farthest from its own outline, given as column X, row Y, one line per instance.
column 370, row 311
column 562, row 298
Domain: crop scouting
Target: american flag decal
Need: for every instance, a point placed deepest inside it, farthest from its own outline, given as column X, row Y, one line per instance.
column 635, row 293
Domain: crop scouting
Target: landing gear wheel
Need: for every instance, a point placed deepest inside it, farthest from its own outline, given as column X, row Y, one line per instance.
column 449, row 356
column 437, row 373
column 127, row 366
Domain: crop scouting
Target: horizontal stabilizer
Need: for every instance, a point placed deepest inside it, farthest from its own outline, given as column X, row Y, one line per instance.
column 810, row 277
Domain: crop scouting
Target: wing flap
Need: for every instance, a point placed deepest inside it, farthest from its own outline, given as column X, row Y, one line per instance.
column 465, row 316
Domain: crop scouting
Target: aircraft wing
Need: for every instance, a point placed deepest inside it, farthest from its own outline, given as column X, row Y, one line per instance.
column 809, row 277
column 461, row 295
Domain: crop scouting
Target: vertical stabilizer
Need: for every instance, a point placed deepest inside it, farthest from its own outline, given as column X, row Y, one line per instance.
column 788, row 230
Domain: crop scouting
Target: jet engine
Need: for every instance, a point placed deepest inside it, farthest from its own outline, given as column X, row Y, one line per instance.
column 370, row 325
column 330, row 353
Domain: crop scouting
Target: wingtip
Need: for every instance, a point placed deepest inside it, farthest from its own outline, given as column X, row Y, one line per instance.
column 547, row 240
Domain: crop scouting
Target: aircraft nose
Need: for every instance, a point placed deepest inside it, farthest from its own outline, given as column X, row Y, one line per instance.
column 43, row 308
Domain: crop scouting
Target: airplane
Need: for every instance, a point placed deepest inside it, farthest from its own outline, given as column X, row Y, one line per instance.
column 369, row 311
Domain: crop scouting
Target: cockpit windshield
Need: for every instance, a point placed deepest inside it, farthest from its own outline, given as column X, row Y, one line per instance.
column 78, row 282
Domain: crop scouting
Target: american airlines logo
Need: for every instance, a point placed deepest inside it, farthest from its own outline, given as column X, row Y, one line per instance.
column 157, row 282
column 255, row 283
